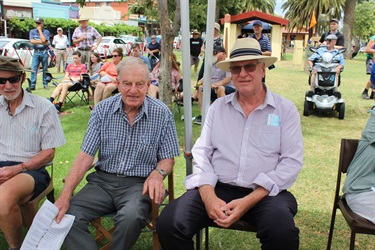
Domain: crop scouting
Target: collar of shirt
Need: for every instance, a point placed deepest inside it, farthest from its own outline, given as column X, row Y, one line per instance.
column 268, row 100
column 142, row 111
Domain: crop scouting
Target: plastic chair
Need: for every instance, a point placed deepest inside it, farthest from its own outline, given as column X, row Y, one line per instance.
column 103, row 233
column 356, row 223
column 30, row 209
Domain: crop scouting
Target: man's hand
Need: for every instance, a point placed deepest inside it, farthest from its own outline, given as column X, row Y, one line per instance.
column 63, row 205
column 8, row 172
column 154, row 187
column 338, row 70
column 212, row 203
column 233, row 211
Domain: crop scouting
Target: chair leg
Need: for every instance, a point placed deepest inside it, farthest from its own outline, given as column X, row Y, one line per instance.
column 155, row 239
column 331, row 228
column 207, row 245
column 352, row 240
column 198, row 240
column 51, row 196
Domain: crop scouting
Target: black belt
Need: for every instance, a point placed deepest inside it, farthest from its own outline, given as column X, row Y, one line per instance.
column 84, row 49
column 39, row 50
column 61, row 49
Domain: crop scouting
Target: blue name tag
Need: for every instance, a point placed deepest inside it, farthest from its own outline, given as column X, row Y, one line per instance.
column 273, row 120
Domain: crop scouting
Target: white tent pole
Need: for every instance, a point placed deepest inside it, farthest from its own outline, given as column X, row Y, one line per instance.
column 185, row 28
column 208, row 57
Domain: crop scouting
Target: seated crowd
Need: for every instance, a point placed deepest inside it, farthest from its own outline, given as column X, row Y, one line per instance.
column 248, row 155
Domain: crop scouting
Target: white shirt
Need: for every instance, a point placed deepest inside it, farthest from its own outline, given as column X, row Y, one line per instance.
column 60, row 42
column 265, row 149
column 35, row 126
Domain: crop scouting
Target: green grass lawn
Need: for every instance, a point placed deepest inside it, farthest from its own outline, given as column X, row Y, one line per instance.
column 314, row 188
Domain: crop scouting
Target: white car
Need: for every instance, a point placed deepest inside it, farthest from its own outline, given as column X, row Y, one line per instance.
column 21, row 49
column 109, row 43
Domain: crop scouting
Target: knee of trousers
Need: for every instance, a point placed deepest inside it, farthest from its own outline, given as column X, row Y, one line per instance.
column 138, row 218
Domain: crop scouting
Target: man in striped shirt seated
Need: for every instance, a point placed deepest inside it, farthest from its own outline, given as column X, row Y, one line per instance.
column 72, row 76
column 30, row 132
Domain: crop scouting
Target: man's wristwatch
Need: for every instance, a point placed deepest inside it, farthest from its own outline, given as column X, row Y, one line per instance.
column 162, row 172
column 24, row 168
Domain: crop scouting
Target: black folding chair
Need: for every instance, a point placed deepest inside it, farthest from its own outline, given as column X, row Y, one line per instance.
column 79, row 89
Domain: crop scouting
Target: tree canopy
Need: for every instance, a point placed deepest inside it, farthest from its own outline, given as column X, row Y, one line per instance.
column 364, row 22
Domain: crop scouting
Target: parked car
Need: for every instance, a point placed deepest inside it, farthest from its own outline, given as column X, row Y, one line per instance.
column 109, row 43
column 129, row 39
column 21, row 49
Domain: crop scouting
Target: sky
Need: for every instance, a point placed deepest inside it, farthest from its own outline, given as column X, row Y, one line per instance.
column 278, row 10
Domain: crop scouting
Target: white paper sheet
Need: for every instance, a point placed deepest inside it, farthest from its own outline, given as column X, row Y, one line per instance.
column 44, row 232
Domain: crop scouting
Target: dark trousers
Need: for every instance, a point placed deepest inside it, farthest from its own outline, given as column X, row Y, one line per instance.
column 273, row 216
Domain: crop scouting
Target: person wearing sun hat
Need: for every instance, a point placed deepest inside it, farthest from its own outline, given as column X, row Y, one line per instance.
column 61, row 43
column 195, row 50
column 39, row 37
column 86, row 38
column 30, row 132
column 249, row 153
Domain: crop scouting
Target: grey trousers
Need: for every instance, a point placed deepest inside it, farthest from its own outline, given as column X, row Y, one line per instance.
column 104, row 194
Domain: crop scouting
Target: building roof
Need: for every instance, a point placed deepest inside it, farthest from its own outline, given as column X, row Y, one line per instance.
column 253, row 15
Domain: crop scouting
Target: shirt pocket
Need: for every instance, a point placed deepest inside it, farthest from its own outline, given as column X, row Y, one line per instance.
column 269, row 139
column 147, row 151
column 110, row 147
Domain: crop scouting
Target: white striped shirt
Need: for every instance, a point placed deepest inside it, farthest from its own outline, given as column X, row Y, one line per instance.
column 35, row 126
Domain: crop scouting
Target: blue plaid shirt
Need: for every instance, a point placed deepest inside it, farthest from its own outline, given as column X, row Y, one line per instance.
column 131, row 150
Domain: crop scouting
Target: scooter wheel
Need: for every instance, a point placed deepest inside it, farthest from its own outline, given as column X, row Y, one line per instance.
column 342, row 111
column 306, row 108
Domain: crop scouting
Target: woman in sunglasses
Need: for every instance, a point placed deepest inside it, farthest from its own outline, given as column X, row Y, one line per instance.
column 108, row 77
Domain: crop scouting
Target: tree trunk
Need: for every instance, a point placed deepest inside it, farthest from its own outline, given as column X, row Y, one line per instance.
column 168, row 31
column 349, row 10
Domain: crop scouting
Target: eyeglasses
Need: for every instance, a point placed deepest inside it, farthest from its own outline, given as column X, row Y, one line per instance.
column 138, row 85
column 328, row 40
column 216, row 52
column 12, row 80
column 248, row 68
column 115, row 55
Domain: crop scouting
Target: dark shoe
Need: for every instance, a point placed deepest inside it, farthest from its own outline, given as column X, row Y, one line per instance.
column 32, row 88
column 58, row 107
column 46, row 87
column 365, row 95
column 91, row 107
column 28, row 89
column 337, row 94
column 54, row 83
column 198, row 120
column 372, row 95
column 310, row 93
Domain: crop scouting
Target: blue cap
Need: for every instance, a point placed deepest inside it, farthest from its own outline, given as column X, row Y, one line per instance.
column 258, row 22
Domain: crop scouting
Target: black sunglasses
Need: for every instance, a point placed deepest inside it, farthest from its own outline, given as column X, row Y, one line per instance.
column 328, row 40
column 12, row 80
column 248, row 68
column 115, row 55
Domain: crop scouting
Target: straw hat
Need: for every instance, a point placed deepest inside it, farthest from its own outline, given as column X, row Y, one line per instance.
column 81, row 19
column 196, row 32
column 245, row 49
column 217, row 26
column 11, row 64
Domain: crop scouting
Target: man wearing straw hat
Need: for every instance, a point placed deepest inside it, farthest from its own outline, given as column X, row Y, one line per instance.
column 249, row 153
column 30, row 132
column 86, row 38
column 195, row 50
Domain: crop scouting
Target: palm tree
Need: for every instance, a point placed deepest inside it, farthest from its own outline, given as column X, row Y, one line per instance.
column 299, row 12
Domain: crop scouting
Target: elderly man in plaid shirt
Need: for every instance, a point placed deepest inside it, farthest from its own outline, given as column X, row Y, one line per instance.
column 86, row 38
column 137, row 142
